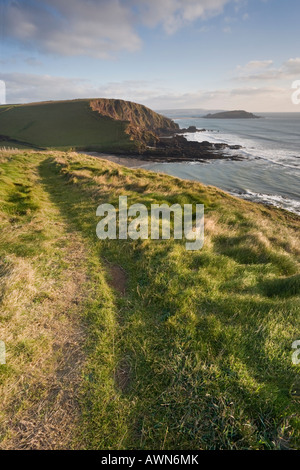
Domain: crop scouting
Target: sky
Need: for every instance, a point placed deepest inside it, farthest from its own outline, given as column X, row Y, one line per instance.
column 165, row 54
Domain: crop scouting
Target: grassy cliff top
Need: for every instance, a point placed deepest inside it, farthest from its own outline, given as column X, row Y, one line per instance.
column 141, row 344
column 102, row 124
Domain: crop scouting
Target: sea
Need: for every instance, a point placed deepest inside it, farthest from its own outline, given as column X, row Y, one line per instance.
column 269, row 171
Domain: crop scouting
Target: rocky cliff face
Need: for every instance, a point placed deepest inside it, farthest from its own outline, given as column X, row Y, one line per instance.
column 144, row 124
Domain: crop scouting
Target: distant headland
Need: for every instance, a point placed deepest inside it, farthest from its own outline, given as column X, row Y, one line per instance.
column 232, row 115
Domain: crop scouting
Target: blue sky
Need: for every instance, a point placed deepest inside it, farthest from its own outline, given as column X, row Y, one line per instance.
column 166, row 54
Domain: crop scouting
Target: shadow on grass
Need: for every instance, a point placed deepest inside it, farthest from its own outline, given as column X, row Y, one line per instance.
column 181, row 375
column 283, row 287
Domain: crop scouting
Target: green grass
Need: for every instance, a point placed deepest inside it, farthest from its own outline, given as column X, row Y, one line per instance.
column 204, row 338
column 62, row 125
column 103, row 125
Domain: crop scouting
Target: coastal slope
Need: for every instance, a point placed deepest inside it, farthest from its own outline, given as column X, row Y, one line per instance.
column 102, row 125
column 96, row 124
column 140, row 344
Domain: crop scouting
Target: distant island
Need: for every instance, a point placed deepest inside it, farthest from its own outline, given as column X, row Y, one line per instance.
column 232, row 115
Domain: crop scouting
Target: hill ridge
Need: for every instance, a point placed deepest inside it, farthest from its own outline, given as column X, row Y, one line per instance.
column 119, row 125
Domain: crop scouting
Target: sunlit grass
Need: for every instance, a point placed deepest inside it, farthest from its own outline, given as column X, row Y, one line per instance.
column 204, row 337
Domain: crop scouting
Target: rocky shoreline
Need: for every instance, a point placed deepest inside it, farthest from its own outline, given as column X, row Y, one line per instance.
column 171, row 146
column 174, row 148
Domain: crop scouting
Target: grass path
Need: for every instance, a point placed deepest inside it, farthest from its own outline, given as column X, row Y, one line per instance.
column 140, row 344
column 43, row 273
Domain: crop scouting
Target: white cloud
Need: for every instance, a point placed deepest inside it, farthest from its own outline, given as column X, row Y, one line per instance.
column 292, row 67
column 255, row 65
column 92, row 27
column 98, row 28
column 25, row 87
column 22, row 88
column 264, row 70
column 174, row 14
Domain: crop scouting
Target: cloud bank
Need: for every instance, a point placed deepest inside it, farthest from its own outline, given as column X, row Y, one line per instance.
column 97, row 28
column 265, row 70
column 46, row 87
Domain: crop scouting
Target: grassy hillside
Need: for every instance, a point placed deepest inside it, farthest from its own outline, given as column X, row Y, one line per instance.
column 103, row 125
column 141, row 344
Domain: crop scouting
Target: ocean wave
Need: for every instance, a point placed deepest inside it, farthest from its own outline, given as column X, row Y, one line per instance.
column 290, row 205
column 251, row 149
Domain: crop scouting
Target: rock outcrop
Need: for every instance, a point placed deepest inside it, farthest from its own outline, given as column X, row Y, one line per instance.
column 144, row 125
column 179, row 149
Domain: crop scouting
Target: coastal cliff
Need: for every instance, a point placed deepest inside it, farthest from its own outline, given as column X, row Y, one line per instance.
column 144, row 125
column 102, row 125
column 90, row 124
column 138, row 115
